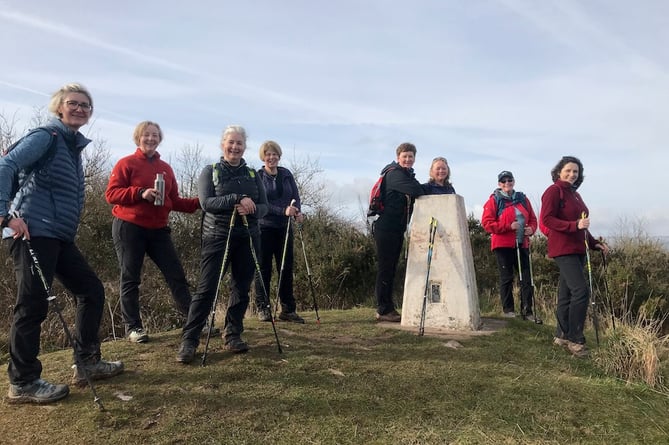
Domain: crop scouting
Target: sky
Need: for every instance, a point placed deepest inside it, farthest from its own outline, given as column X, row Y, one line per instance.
column 491, row 85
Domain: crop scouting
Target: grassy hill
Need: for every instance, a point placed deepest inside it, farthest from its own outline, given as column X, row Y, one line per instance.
column 347, row 381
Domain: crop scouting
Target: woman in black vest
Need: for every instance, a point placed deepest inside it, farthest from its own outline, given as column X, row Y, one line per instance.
column 224, row 188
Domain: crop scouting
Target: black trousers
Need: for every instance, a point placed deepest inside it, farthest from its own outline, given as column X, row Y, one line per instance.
column 388, row 251
column 64, row 261
column 507, row 263
column 132, row 243
column 272, row 241
column 212, row 270
column 573, row 297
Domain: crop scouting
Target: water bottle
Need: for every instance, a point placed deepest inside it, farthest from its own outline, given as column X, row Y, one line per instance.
column 159, row 184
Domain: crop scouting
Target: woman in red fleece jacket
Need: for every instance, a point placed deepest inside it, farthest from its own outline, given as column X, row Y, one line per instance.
column 566, row 217
column 140, row 225
column 509, row 218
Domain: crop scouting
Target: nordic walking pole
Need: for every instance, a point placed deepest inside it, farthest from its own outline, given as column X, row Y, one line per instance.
column 595, row 321
column 54, row 305
column 311, row 283
column 430, row 248
column 606, row 289
column 245, row 221
column 283, row 262
column 534, row 308
column 520, row 269
column 218, row 286
column 406, row 232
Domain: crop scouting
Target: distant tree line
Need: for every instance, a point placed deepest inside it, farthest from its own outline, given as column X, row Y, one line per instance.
column 341, row 256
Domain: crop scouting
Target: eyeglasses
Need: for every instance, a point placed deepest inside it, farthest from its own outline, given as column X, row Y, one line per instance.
column 504, row 181
column 72, row 105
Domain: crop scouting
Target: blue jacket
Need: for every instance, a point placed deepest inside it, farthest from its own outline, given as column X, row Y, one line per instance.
column 432, row 188
column 281, row 190
column 53, row 199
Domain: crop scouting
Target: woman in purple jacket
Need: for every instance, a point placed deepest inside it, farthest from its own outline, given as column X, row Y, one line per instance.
column 566, row 220
column 284, row 203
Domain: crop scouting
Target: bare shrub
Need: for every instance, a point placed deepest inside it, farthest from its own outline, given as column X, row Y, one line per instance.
column 632, row 351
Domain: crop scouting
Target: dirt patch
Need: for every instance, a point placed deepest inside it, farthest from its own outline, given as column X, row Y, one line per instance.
column 488, row 326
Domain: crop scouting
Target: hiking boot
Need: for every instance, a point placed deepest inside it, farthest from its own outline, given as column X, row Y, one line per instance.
column 264, row 314
column 37, row 391
column 533, row 318
column 509, row 314
column 138, row 335
column 578, row 350
column 291, row 316
column 214, row 331
column 186, row 352
column 236, row 345
column 96, row 371
column 560, row 341
column 392, row 317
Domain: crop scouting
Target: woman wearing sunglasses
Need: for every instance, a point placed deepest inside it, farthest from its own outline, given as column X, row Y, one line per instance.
column 510, row 220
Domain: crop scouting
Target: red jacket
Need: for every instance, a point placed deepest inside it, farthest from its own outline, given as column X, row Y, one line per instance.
column 561, row 217
column 500, row 228
column 136, row 172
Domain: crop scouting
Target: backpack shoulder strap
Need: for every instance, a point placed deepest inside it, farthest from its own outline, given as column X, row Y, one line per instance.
column 522, row 198
column 500, row 204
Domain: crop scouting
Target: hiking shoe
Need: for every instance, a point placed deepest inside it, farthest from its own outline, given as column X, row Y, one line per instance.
column 96, row 371
column 236, row 345
column 510, row 314
column 560, row 341
column 186, row 352
column 578, row 349
column 533, row 318
column 392, row 317
column 291, row 316
column 214, row 331
column 37, row 391
column 264, row 314
column 138, row 335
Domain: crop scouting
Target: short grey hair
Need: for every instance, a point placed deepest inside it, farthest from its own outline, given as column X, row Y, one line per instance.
column 234, row 129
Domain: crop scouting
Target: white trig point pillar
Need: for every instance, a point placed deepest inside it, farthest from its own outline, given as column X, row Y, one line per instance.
column 452, row 298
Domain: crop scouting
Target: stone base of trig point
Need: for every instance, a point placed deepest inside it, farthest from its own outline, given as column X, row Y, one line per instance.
column 452, row 296
column 488, row 326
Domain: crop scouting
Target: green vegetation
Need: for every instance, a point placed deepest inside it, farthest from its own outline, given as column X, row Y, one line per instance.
column 349, row 381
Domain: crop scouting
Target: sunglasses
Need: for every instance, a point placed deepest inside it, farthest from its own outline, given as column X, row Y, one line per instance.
column 504, row 181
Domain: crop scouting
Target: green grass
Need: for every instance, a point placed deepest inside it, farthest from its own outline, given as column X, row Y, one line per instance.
column 348, row 381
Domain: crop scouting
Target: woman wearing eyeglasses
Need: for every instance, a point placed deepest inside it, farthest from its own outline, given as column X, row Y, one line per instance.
column 440, row 175
column 40, row 222
column 567, row 220
column 283, row 202
column 509, row 218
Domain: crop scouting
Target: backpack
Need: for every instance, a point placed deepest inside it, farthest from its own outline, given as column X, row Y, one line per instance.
column 25, row 175
column 215, row 173
column 542, row 227
column 500, row 202
column 376, row 206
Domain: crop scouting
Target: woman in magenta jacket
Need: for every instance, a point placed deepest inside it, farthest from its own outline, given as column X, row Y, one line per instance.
column 566, row 219
column 509, row 218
